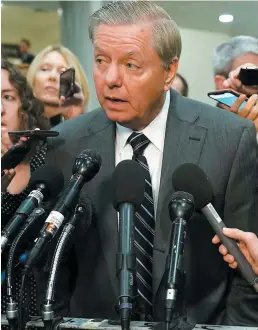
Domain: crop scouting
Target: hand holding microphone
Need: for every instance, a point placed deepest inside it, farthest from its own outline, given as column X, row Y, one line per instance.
column 248, row 244
column 192, row 179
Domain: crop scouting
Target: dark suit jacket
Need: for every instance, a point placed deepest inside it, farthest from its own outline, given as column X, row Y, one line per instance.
column 224, row 146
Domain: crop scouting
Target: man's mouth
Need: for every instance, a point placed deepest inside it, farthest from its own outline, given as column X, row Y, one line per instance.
column 115, row 99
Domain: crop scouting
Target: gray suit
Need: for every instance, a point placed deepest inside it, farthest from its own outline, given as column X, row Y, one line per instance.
column 224, row 146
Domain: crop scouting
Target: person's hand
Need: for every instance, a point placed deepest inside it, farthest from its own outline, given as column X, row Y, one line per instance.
column 249, row 111
column 6, row 179
column 76, row 99
column 73, row 111
column 234, row 83
column 248, row 244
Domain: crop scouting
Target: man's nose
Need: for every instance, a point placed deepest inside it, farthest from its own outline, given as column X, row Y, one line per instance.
column 113, row 76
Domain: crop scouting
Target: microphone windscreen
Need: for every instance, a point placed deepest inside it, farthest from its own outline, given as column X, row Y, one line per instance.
column 182, row 195
column 192, row 179
column 129, row 183
column 52, row 177
column 87, row 163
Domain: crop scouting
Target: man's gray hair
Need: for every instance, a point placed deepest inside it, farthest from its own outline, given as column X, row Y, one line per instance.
column 166, row 35
column 224, row 54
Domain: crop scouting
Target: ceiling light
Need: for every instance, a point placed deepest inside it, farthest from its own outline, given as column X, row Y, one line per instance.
column 59, row 11
column 226, row 18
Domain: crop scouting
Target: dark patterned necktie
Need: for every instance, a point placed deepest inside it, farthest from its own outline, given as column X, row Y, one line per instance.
column 144, row 228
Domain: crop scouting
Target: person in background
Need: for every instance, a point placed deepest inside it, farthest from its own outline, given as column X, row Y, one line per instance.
column 180, row 85
column 24, row 48
column 20, row 110
column 44, row 74
column 228, row 58
column 248, row 243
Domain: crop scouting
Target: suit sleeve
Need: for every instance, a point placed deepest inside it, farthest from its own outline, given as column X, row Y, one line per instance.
column 241, row 211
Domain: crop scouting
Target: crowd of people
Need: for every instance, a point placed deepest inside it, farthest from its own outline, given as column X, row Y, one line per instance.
column 137, row 50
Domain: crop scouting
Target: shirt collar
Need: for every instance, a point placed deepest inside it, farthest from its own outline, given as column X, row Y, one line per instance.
column 155, row 131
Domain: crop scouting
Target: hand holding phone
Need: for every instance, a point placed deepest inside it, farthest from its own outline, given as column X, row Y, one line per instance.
column 249, row 76
column 234, row 82
column 69, row 91
column 226, row 97
column 67, row 83
column 246, row 109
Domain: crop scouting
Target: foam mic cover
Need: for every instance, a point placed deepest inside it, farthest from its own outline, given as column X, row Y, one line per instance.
column 49, row 176
column 129, row 183
column 192, row 179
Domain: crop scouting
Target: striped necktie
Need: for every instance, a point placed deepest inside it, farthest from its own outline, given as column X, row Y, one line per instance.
column 144, row 228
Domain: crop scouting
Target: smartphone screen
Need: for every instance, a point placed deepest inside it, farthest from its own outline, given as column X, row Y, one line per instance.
column 226, row 98
column 67, row 82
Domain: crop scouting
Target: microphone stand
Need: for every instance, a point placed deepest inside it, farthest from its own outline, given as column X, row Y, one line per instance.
column 48, row 311
column 12, row 310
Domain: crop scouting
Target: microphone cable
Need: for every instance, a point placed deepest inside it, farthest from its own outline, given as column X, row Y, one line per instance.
column 47, row 311
column 11, row 310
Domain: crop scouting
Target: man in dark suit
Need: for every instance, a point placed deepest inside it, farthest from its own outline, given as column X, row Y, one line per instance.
column 136, row 52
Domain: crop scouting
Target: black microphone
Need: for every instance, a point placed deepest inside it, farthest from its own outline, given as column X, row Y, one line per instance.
column 191, row 178
column 181, row 208
column 129, row 184
column 85, row 167
column 46, row 182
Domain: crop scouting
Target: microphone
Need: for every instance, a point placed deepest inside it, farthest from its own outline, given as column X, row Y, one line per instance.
column 129, row 184
column 191, row 178
column 46, row 182
column 81, row 212
column 181, row 208
column 85, row 167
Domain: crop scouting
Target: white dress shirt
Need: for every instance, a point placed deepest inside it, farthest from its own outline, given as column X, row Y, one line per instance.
column 155, row 132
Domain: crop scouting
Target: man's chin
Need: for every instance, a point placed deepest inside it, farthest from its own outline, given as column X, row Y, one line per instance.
column 121, row 119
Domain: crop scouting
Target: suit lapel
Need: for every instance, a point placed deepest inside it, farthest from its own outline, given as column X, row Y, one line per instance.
column 183, row 144
column 102, row 139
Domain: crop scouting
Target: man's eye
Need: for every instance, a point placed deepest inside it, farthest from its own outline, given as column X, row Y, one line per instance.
column 131, row 65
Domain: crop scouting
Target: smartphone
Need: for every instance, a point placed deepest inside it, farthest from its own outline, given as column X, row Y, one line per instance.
column 248, row 76
column 67, row 83
column 37, row 133
column 226, row 97
column 14, row 156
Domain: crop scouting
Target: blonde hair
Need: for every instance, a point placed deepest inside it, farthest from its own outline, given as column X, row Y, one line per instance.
column 72, row 61
column 166, row 35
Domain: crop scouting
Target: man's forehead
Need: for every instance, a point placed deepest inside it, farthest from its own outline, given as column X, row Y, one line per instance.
column 125, row 29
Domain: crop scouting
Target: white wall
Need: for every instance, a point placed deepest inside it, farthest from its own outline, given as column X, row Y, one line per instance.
column 196, row 61
column 41, row 28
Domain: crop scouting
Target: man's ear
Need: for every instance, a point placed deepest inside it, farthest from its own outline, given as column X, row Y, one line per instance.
column 171, row 73
column 218, row 80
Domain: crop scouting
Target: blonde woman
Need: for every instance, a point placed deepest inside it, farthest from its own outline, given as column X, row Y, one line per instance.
column 43, row 75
